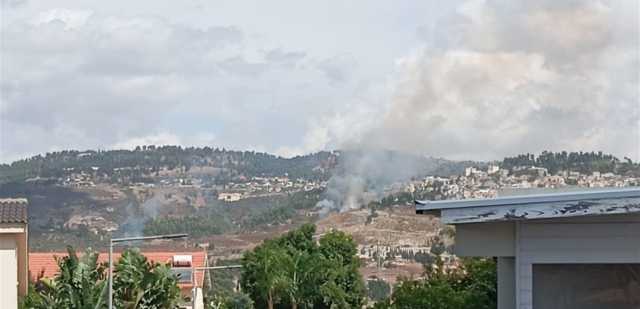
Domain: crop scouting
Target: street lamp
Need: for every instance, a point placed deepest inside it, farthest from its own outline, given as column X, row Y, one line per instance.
column 128, row 239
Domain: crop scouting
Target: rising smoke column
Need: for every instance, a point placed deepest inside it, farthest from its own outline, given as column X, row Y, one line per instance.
column 363, row 175
column 137, row 216
column 497, row 78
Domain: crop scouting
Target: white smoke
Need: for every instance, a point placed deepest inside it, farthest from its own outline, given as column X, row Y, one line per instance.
column 364, row 175
column 137, row 216
column 498, row 78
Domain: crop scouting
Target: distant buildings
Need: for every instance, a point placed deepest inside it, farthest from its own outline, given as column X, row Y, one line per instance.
column 266, row 186
column 229, row 196
column 479, row 183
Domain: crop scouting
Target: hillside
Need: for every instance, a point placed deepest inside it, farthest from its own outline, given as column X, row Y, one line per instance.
column 148, row 161
column 86, row 197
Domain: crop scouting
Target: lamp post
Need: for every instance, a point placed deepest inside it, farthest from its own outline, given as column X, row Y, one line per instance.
column 114, row 241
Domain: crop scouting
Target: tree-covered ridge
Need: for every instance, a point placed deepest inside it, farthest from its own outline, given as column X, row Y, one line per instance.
column 147, row 160
column 583, row 162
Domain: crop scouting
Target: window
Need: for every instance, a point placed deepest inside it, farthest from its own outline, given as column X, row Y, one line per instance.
column 181, row 266
column 586, row 286
column 184, row 274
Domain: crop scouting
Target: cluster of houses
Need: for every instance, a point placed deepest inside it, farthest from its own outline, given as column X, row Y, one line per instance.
column 79, row 180
column 492, row 181
column 266, row 186
column 240, row 188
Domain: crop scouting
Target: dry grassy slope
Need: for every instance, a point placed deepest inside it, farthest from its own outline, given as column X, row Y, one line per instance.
column 396, row 226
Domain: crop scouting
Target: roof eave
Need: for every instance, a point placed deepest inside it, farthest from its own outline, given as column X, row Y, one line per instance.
column 591, row 203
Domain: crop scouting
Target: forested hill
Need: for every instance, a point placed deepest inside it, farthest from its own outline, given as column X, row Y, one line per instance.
column 226, row 165
column 147, row 160
column 583, row 162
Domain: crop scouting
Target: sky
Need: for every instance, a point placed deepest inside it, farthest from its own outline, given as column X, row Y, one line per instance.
column 463, row 79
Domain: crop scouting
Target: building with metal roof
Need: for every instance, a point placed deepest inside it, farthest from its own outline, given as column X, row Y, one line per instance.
column 561, row 250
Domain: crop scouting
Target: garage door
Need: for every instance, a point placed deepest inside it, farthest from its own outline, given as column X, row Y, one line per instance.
column 586, row 286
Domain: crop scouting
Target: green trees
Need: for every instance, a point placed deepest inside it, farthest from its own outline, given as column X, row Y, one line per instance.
column 82, row 284
column 138, row 164
column 295, row 271
column 583, row 162
column 378, row 289
column 263, row 274
column 472, row 286
column 197, row 225
column 139, row 283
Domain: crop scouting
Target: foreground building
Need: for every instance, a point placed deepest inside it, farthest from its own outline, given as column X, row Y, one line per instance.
column 576, row 250
column 13, row 251
column 187, row 266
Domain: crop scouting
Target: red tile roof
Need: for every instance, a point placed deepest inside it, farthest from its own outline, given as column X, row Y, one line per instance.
column 45, row 263
column 13, row 210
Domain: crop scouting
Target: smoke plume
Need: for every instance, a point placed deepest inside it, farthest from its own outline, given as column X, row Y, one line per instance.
column 366, row 175
column 496, row 78
column 138, row 215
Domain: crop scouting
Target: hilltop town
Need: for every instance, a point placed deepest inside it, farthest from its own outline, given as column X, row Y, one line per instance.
column 234, row 200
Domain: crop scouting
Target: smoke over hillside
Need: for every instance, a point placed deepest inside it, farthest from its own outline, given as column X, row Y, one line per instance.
column 138, row 216
column 363, row 175
column 495, row 78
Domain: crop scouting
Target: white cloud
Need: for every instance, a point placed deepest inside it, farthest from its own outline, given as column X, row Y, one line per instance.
column 121, row 80
column 165, row 138
column 72, row 19
column 483, row 79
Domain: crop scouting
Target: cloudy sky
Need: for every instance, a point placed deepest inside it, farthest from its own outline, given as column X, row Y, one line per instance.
column 458, row 79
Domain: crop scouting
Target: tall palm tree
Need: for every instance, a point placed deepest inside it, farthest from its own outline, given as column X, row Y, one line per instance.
column 264, row 272
column 139, row 283
column 81, row 284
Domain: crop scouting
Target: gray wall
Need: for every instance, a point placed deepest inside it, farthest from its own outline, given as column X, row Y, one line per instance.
column 506, row 283
column 485, row 239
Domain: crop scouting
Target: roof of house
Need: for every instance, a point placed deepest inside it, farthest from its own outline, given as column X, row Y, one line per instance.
column 539, row 206
column 44, row 263
column 13, row 210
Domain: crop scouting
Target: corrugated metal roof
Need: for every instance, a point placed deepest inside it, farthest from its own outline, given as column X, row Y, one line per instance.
column 530, row 199
column 13, row 210
column 532, row 207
